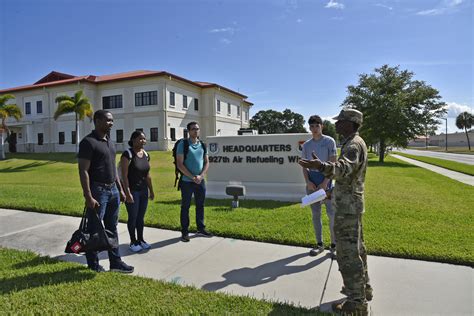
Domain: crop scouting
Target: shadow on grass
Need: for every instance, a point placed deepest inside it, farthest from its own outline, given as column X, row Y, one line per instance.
column 52, row 157
column 37, row 261
column 36, row 279
column 265, row 273
column 26, row 167
column 225, row 204
column 391, row 164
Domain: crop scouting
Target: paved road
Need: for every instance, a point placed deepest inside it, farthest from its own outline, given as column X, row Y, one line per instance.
column 261, row 270
column 464, row 158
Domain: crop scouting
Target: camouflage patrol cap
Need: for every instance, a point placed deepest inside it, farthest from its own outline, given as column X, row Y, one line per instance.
column 351, row 115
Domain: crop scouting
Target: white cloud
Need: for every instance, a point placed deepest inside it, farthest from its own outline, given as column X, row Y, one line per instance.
column 225, row 41
column 454, row 109
column 447, row 6
column 229, row 30
column 384, row 6
column 453, row 3
column 332, row 4
column 432, row 12
column 299, row 20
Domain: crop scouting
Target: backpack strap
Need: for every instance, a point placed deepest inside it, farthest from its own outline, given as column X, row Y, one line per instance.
column 146, row 155
column 185, row 148
column 130, row 154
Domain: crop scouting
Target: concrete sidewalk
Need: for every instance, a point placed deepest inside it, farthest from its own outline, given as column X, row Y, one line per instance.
column 269, row 271
column 458, row 176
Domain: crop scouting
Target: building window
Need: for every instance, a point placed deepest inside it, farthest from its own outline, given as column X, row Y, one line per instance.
column 28, row 108
column 40, row 138
column 172, row 99
column 73, row 137
column 246, row 115
column 154, row 134
column 196, row 105
column 119, row 136
column 173, row 133
column 61, row 138
column 218, row 110
column 238, row 110
column 185, row 101
column 146, row 98
column 39, row 106
column 185, row 133
column 112, row 102
column 229, row 109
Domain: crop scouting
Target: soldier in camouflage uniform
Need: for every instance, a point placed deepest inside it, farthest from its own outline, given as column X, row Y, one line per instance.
column 348, row 202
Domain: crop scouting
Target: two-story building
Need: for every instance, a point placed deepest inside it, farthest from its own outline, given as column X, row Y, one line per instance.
column 159, row 103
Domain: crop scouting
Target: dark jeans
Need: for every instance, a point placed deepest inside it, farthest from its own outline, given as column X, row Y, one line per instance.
column 108, row 211
column 136, row 214
column 187, row 191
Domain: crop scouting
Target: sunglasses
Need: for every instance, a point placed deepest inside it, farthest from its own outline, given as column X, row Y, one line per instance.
column 195, row 129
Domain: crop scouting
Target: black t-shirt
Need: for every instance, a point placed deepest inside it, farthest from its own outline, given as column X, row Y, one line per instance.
column 137, row 170
column 101, row 154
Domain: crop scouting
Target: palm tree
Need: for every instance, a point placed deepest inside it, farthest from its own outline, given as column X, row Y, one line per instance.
column 6, row 111
column 79, row 104
column 465, row 120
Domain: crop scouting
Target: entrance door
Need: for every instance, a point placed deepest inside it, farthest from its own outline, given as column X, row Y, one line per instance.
column 12, row 142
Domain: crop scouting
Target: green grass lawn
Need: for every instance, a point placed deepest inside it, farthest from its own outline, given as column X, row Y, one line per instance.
column 447, row 164
column 40, row 285
column 410, row 212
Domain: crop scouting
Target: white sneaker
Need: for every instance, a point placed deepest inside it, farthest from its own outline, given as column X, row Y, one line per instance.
column 135, row 247
column 145, row 245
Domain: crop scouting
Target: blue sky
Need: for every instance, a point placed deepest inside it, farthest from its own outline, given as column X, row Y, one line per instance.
column 281, row 54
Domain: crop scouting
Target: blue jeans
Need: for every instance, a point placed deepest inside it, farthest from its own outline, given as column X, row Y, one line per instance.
column 136, row 214
column 108, row 212
column 317, row 219
column 187, row 191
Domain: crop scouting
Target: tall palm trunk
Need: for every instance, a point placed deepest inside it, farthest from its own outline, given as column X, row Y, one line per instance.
column 467, row 135
column 77, row 134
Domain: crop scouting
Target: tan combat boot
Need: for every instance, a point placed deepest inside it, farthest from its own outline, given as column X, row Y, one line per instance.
column 349, row 308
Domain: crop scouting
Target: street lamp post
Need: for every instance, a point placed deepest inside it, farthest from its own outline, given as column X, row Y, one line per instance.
column 446, row 135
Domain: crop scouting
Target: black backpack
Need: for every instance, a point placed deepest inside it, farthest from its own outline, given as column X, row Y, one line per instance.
column 178, row 174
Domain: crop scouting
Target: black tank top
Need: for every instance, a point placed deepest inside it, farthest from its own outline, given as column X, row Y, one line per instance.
column 138, row 169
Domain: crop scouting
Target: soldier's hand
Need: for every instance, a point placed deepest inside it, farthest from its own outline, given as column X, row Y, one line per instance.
column 310, row 164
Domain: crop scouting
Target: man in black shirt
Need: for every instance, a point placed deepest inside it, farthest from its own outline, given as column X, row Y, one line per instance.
column 100, row 185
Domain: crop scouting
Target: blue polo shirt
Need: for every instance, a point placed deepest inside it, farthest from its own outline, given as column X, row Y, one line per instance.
column 194, row 161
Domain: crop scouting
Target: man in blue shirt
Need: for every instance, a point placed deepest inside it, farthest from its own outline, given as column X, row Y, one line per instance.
column 325, row 148
column 193, row 167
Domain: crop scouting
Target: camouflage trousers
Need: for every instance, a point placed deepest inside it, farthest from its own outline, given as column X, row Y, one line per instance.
column 351, row 255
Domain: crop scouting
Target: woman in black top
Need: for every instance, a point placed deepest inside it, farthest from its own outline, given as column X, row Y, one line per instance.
column 135, row 169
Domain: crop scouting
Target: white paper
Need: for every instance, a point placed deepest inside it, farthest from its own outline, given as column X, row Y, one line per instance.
column 313, row 198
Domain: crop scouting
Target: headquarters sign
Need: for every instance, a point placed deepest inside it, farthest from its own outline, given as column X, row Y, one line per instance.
column 267, row 165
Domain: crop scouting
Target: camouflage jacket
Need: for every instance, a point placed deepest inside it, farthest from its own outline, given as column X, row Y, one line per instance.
column 349, row 173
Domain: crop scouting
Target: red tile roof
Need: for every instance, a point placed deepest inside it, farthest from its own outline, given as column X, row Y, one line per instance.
column 55, row 78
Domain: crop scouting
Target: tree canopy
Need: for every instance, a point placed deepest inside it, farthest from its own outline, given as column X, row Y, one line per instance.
column 329, row 129
column 465, row 120
column 78, row 104
column 396, row 107
column 274, row 122
column 6, row 111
